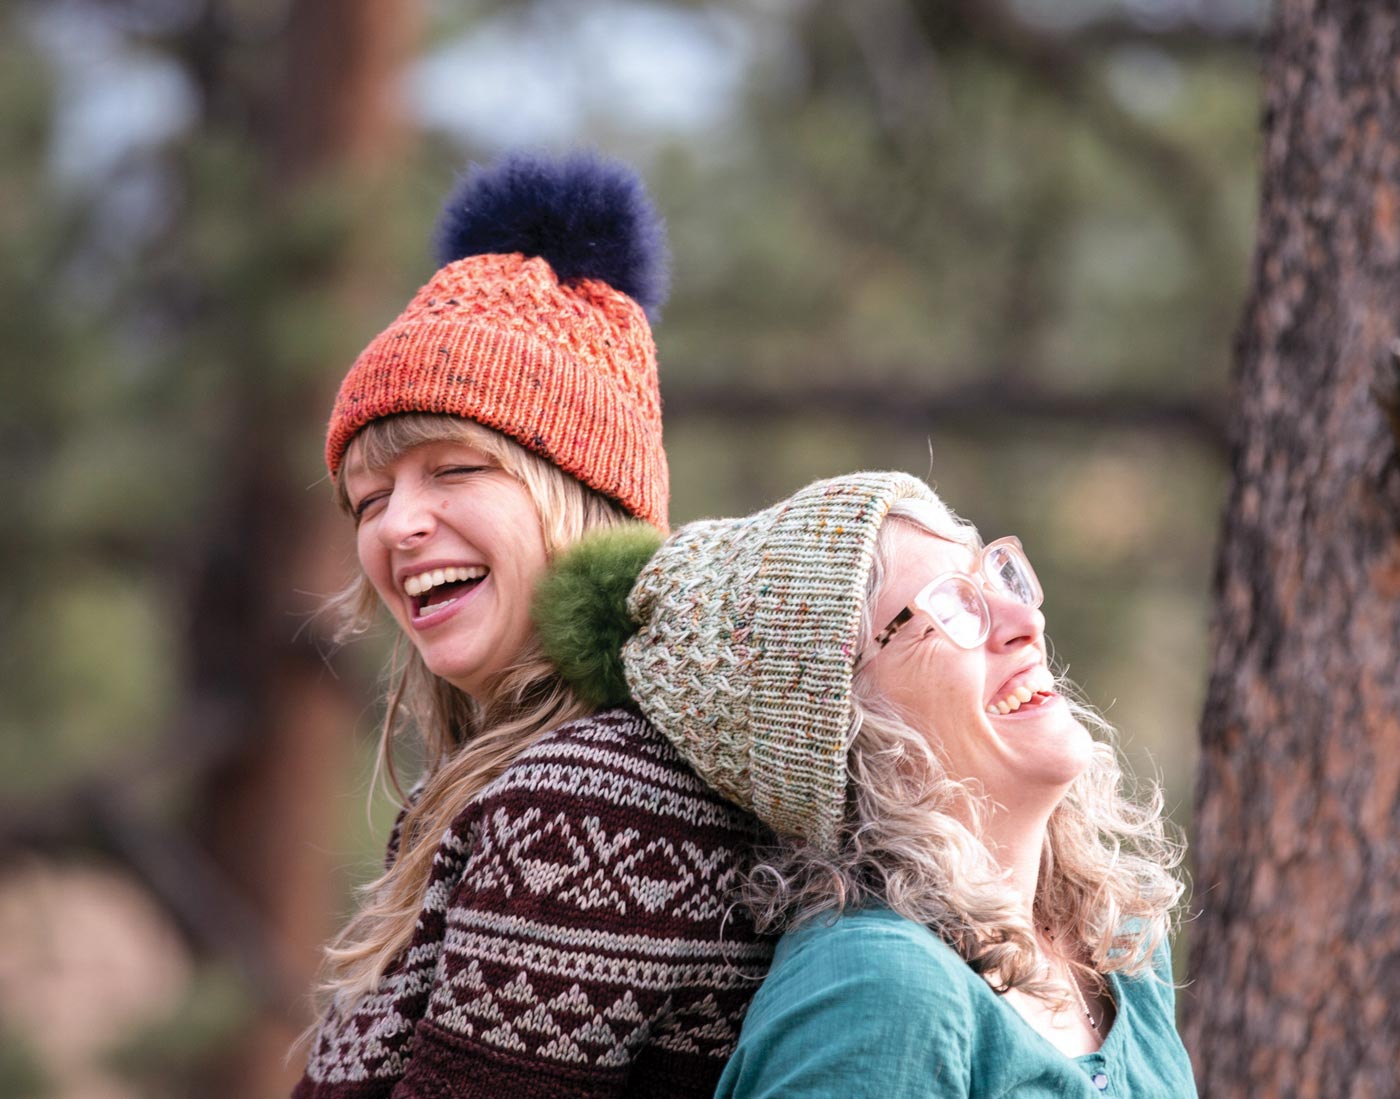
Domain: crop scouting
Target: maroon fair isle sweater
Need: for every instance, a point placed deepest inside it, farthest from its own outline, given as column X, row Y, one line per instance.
column 577, row 938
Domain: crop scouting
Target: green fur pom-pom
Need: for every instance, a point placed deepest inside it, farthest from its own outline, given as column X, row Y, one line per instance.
column 580, row 609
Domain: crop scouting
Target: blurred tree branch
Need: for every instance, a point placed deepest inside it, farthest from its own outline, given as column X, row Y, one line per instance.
column 900, row 60
column 899, row 41
column 1180, row 38
column 968, row 406
column 1061, row 64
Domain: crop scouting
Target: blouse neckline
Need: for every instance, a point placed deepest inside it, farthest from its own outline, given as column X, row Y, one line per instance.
column 1094, row 1057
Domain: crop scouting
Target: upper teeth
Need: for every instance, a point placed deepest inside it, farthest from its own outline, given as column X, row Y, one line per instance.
column 1037, row 681
column 426, row 581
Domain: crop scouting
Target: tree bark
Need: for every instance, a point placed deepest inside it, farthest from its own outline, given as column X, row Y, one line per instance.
column 1295, row 956
column 270, row 812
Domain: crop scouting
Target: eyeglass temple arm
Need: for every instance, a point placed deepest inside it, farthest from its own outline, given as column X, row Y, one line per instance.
column 883, row 637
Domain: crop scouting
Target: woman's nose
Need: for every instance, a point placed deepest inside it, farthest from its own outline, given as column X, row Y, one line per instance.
column 407, row 520
column 1014, row 623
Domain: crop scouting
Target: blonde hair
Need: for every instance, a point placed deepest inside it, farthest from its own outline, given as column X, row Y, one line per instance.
column 466, row 743
column 911, row 842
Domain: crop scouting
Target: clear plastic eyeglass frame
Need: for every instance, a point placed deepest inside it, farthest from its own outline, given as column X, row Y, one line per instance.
column 955, row 603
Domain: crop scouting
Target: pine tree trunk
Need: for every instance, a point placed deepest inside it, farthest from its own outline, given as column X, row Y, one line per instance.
column 1295, row 958
column 271, row 814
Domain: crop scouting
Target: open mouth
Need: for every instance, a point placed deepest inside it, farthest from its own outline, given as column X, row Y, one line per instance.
column 1013, row 703
column 1034, row 689
column 436, row 590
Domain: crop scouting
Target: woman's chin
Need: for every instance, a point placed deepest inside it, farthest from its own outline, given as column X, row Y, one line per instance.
column 1049, row 741
column 1077, row 750
column 467, row 672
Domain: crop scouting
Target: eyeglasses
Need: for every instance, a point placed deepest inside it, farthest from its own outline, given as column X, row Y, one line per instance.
column 955, row 602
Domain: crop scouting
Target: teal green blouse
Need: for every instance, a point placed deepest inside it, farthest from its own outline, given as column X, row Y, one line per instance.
column 876, row 1005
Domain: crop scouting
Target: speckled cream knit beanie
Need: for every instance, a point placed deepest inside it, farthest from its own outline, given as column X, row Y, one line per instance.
column 747, row 641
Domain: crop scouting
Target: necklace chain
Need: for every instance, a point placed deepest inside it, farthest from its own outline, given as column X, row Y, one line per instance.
column 1072, row 979
column 1083, row 1003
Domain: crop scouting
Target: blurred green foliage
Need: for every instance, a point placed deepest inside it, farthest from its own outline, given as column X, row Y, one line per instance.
column 975, row 215
column 20, row 1069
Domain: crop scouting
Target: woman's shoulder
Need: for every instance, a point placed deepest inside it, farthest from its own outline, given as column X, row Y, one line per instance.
column 1154, row 984
column 866, row 1004
column 876, row 946
column 618, row 733
column 871, row 959
column 618, row 758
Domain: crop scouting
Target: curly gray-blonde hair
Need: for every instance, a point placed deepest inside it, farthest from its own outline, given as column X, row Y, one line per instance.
column 911, row 841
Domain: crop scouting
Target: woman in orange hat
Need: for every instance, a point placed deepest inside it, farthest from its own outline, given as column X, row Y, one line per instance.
column 553, row 917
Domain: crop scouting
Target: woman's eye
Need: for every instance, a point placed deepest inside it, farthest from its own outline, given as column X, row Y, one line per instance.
column 361, row 509
column 449, row 471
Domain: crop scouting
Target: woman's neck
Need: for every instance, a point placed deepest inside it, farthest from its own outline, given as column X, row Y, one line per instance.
column 1017, row 842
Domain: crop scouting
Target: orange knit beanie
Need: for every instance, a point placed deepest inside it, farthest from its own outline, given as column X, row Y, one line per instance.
column 536, row 326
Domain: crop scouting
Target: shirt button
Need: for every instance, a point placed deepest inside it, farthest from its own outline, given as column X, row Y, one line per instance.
column 1099, row 1080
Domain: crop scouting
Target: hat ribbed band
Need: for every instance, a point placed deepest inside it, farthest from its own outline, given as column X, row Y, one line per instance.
column 748, row 641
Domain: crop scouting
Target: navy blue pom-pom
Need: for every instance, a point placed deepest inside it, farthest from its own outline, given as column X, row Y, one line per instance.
column 587, row 216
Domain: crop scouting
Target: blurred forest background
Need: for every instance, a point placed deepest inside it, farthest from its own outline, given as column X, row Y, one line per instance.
column 1000, row 243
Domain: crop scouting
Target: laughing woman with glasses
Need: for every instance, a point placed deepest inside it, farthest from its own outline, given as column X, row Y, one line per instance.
column 971, row 903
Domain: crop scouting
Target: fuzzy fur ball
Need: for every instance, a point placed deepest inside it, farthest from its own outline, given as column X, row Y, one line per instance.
column 580, row 610
column 587, row 216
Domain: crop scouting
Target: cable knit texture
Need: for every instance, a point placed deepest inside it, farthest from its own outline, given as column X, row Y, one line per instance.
column 576, row 939
column 746, row 646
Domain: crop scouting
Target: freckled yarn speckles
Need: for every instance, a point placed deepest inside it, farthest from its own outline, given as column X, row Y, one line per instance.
column 747, row 641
